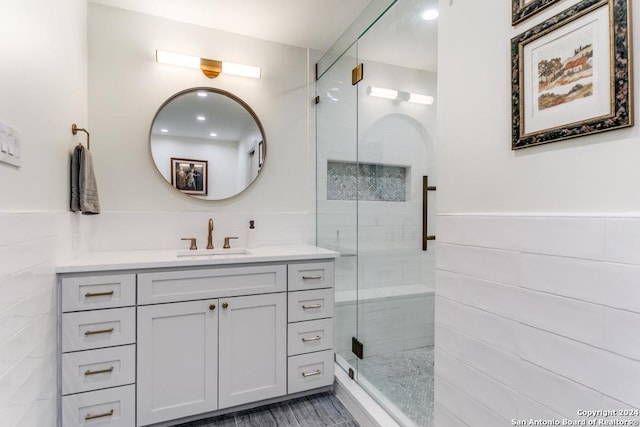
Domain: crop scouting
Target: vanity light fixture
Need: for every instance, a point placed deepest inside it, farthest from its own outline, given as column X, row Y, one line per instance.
column 201, row 118
column 202, row 94
column 164, row 130
column 213, row 134
column 210, row 67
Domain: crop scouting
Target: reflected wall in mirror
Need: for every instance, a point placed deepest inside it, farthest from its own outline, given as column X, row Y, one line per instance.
column 215, row 127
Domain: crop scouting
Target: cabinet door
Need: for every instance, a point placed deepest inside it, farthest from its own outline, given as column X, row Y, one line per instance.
column 253, row 348
column 177, row 360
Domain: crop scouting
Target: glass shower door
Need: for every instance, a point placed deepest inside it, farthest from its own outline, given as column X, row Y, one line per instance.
column 396, row 277
column 336, row 184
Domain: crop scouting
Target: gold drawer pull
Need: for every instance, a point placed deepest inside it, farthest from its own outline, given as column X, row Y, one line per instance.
column 98, row 294
column 101, row 331
column 316, row 338
column 310, row 374
column 307, row 307
column 311, row 277
column 101, row 371
column 93, row 417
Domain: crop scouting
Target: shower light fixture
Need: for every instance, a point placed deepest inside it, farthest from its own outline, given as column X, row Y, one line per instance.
column 415, row 98
column 381, row 92
column 430, row 14
column 210, row 67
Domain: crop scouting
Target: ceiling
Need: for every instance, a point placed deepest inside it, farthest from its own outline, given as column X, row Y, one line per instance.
column 315, row 24
column 399, row 38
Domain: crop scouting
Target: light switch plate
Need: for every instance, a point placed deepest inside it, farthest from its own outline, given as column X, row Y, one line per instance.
column 10, row 145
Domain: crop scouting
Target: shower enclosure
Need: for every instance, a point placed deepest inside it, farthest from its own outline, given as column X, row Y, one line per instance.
column 375, row 124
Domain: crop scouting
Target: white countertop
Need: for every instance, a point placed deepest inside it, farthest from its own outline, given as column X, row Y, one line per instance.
column 128, row 260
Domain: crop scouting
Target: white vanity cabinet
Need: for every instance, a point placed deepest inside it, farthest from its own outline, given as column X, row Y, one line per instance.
column 310, row 328
column 97, row 350
column 177, row 360
column 152, row 345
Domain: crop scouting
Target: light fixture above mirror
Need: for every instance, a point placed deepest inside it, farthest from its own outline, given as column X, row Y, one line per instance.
column 211, row 68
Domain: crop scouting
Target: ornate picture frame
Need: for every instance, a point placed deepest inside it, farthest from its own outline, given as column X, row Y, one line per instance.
column 571, row 75
column 190, row 176
column 523, row 9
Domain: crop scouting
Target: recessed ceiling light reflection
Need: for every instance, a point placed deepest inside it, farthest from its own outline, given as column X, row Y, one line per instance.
column 164, row 130
column 213, row 134
column 202, row 94
column 201, row 118
column 430, row 14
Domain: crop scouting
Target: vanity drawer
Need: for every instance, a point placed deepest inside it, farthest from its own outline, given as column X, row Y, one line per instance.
column 306, row 337
column 309, row 371
column 174, row 286
column 102, row 291
column 113, row 407
column 86, row 330
column 310, row 305
column 95, row 369
column 313, row 275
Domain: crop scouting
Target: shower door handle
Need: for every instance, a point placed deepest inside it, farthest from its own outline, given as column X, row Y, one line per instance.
column 425, row 211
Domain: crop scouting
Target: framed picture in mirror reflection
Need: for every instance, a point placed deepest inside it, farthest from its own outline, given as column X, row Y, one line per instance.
column 189, row 175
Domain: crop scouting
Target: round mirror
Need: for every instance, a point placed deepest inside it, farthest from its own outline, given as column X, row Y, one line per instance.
column 207, row 143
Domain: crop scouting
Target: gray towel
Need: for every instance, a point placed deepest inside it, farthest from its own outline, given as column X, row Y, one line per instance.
column 84, row 189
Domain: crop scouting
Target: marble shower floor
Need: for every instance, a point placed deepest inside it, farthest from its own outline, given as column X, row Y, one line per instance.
column 319, row 410
column 406, row 379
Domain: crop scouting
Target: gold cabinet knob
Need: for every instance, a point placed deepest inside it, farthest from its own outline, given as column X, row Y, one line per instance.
column 225, row 305
column 212, row 307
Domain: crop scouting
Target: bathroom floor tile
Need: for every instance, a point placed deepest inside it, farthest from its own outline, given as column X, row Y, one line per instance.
column 271, row 415
column 319, row 410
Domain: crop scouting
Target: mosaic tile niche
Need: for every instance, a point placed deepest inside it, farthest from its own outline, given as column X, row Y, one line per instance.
column 377, row 182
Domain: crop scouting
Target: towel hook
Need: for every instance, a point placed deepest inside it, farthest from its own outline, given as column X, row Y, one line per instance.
column 75, row 129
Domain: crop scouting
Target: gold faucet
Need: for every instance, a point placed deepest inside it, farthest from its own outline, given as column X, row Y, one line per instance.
column 210, row 235
column 226, row 242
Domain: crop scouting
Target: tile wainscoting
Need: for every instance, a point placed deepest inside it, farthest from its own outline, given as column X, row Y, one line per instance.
column 536, row 317
column 30, row 244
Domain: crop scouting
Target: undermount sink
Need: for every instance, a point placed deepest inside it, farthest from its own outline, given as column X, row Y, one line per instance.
column 213, row 252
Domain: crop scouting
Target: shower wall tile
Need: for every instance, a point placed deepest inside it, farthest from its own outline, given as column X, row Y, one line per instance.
column 546, row 308
column 362, row 181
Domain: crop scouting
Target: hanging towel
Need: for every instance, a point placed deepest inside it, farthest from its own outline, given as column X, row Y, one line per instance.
column 84, row 189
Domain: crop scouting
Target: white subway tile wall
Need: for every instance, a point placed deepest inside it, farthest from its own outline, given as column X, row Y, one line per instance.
column 536, row 318
column 30, row 244
column 112, row 231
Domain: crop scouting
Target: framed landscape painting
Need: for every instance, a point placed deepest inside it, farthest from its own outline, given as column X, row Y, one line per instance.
column 571, row 74
column 522, row 9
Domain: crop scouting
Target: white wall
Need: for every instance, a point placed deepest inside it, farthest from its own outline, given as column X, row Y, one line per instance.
column 43, row 87
column 126, row 87
column 481, row 173
column 538, row 260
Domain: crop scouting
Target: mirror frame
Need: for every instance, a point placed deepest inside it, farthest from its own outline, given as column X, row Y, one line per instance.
column 233, row 97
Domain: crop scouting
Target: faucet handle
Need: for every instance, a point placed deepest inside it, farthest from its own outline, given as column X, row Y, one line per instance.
column 226, row 242
column 193, row 243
